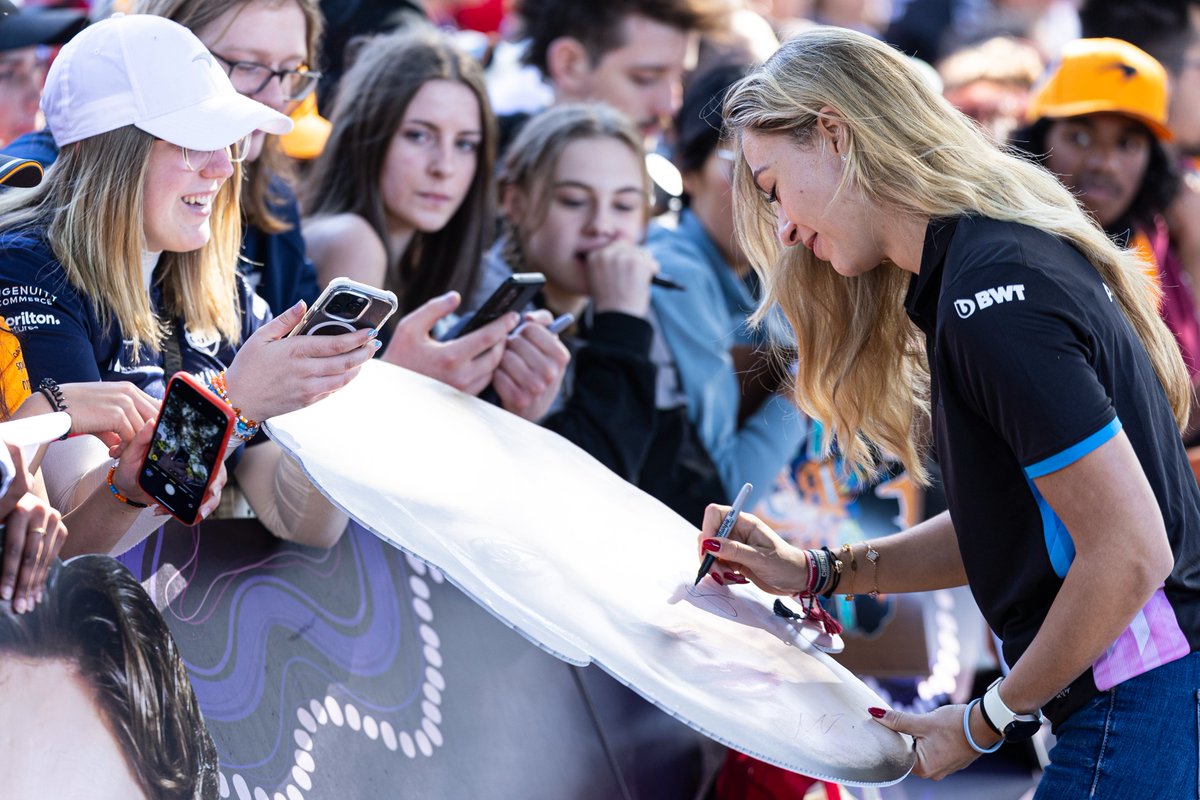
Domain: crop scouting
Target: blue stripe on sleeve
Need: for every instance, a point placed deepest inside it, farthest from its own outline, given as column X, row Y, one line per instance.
column 1074, row 452
column 1059, row 546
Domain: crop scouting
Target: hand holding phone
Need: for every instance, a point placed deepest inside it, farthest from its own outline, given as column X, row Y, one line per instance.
column 513, row 295
column 187, row 448
column 274, row 372
column 466, row 363
column 347, row 306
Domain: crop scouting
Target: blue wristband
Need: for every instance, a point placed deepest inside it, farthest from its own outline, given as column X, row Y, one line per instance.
column 967, row 732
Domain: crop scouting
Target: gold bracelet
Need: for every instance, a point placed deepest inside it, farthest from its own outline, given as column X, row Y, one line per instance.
column 873, row 557
column 849, row 550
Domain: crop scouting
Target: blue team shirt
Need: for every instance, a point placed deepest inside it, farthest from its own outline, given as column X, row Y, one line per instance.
column 63, row 338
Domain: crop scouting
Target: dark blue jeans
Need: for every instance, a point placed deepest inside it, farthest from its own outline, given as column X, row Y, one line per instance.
column 1138, row 740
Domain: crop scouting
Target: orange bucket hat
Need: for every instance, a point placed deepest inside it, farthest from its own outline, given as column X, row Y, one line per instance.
column 1104, row 75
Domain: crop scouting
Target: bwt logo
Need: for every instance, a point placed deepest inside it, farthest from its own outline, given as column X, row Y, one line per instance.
column 989, row 297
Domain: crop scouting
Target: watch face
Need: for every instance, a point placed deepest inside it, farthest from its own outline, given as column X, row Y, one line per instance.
column 1021, row 729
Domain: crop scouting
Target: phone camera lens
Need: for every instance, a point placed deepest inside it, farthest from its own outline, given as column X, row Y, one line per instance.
column 346, row 305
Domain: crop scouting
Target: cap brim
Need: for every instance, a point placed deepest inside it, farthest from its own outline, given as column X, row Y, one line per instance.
column 21, row 173
column 48, row 26
column 217, row 122
column 1067, row 110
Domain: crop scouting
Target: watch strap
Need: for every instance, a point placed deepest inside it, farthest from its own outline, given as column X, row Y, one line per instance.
column 997, row 714
column 983, row 710
column 1000, row 717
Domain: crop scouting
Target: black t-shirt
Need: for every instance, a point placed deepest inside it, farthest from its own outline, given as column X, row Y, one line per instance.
column 1033, row 366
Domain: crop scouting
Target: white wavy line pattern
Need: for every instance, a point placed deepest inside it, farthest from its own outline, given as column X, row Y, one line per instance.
column 328, row 711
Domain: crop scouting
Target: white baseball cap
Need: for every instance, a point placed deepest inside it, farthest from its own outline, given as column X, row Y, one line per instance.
column 150, row 72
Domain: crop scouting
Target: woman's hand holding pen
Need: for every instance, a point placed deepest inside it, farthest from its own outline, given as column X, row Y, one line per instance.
column 752, row 552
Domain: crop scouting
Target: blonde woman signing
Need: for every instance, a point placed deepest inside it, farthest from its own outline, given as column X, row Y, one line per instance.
column 936, row 282
column 121, row 267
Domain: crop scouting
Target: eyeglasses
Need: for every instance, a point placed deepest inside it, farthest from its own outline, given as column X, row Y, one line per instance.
column 22, row 71
column 250, row 78
column 196, row 160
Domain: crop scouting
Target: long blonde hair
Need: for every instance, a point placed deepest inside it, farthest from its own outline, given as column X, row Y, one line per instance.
column 90, row 207
column 861, row 362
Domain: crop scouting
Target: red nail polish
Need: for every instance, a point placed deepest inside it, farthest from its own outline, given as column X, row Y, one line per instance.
column 877, row 713
column 733, row 577
column 711, row 545
column 717, row 578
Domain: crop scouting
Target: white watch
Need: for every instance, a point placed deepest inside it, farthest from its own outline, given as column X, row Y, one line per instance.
column 1003, row 720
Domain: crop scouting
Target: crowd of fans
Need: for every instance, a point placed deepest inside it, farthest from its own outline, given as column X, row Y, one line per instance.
column 450, row 144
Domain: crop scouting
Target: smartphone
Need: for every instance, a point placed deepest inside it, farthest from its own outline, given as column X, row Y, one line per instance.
column 513, row 295
column 185, row 452
column 346, row 306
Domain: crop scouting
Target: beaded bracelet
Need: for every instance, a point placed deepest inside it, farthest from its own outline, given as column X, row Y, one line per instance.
column 245, row 428
column 117, row 494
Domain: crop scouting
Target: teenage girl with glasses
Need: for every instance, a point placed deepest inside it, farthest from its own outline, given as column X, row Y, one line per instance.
column 121, row 267
column 268, row 48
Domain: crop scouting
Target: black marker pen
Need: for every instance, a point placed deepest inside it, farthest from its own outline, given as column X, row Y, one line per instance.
column 726, row 527
column 667, row 283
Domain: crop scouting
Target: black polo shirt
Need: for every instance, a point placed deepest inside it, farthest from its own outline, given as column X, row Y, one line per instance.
column 1033, row 365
